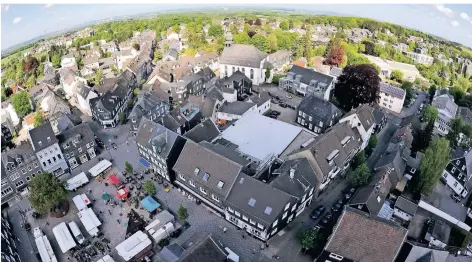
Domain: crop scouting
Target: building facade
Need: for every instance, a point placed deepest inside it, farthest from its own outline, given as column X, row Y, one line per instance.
column 317, row 114
column 78, row 145
column 391, row 97
column 9, row 248
column 306, row 82
column 458, row 172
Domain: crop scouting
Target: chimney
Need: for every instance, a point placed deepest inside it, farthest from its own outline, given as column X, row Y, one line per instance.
column 292, row 173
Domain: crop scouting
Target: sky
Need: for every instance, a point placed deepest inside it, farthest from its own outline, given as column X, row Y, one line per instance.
column 22, row 22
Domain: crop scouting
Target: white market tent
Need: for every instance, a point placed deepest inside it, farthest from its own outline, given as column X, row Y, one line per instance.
column 44, row 247
column 63, row 237
column 163, row 232
column 81, row 201
column 77, row 181
column 90, row 221
column 100, row 168
column 133, row 245
column 106, row 258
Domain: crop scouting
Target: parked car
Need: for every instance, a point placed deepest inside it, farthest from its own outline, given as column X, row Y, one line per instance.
column 326, row 218
column 336, row 207
column 456, row 197
column 283, row 105
column 291, row 107
column 275, row 112
column 273, row 116
column 274, row 101
column 317, row 212
column 349, row 193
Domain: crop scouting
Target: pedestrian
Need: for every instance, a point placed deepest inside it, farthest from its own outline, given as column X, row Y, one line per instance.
column 101, row 212
column 109, row 212
column 118, row 220
column 243, row 235
column 90, row 191
column 267, row 244
column 254, row 251
column 47, row 223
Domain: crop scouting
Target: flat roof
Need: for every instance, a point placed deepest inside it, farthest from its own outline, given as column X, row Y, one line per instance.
column 260, row 136
column 133, row 245
column 63, row 237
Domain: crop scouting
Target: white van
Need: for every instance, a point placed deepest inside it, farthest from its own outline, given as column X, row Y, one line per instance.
column 76, row 232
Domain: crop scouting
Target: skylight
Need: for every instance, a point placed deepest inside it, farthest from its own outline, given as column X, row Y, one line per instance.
column 220, row 184
column 252, row 202
column 332, row 155
column 345, row 140
column 268, row 210
column 206, row 176
column 196, row 171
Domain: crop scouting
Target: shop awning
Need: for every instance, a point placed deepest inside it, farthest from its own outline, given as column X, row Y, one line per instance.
column 150, row 204
column 144, row 162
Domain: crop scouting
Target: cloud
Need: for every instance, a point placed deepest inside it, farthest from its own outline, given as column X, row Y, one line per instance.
column 465, row 16
column 48, row 5
column 470, row 36
column 5, row 7
column 455, row 23
column 444, row 10
column 16, row 20
column 62, row 18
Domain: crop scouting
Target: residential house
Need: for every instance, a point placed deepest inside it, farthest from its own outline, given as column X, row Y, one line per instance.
column 183, row 119
column 237, row 81
column 465, row 114
column 447, row 110
column 48, row 101
column 9, row 247
column 109, row 47
column 159, row 147
column 458, row 172
column 262, row 100
column 438, row 233
column 330, row 154
column 404, row 209
column 68, row 61
column 210, row 103
column 84, row 95
column 107, row 65
column 391, row 97
column 279, row 60
column 415, row 252
column 317, row 114
column 232, row 111
column 244, row 58
column 172, row 71
column 123, row 57
column 70, row 80
column 412, row 38
column 345, row 245
column 205, row 131
column 148, row 105
column 62, row 122
column 400, row 47
column 78, row 145
column 306, row 81
column 170, row 55
column 141, row 67
column 204, row 60
column 8, row 112
column 301, row 62
column 171, row 35
column 6, row 132
column 356, row 35
column 47, row 150
column 410, row 72
column 362, row 120
column 19, row 166
column 420, row 58
column 335, row 72
column 91, row 62
column 107, row 107
column 380, row 119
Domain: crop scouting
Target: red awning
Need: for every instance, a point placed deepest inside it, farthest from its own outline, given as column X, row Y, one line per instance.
column 114, row 180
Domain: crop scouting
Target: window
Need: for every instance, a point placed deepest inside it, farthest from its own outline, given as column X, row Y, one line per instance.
column 244, row 70
column 287, row 206
column 49, row 161
column 299, row 120
column 203, row 190
column 274, row 231
column 237, row 213
column 252, row 222
column 230, row 210
column 252, row 73
column 206, row 176
column 285, row 215
column 59, row 156
column 458, row 162
column 28, row 178
column 311, row 126
column 220, row 184
column 19, row 183
column 304, row 114
column 275, row 223
column 192, row 183
column 30, row 168
column 310, row 118
column 311, row 191
column 453, row 169
column 463, row 167
column 294, row 206
column 182, row 177
column 196, row 171
column 460, row 176
column 54, row 158
column 260, row 226
column 79, row 149
column 217, row 199
column 455, row 184
column 23, row 170
column 44, row 164
column 14, row 177
column 245, row 218
column 300, row 113
column 233, row 69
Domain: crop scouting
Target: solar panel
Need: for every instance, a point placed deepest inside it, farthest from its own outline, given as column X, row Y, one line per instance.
column 252, row 202
column 268, row 210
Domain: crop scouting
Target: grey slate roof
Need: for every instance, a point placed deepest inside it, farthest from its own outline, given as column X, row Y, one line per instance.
column 378, row 186
column 392, row 90
column 172, row 53
column 90, row 60
column 308, row 75
column 217, row 166
column 304, row 177
column 83, row 132
column 106, row 85
column 318, row 108
column 205, row 131
column 242, row 55
column 459, row 153
column 265, row 196
column 236, row 107
column 156, row 137
column 378, row 115
column 445, row 102
column 406, row 205
column 466, row 114
column 394, row 160
column 205, row 248
column 259, row 100
column 42, row 136
column 226, row 152
column 83, row 90
column 335, row 71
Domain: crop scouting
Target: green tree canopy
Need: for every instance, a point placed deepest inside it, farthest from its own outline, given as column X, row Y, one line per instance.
column 283, row 25
column 359, row 159
column 128, row 168
column 432, row 165
column 56, row 61
column 397, row 75
column 430, row 114
column 45, row 192
column 182, row 212
column 21, row 103
column 38, row 119
column 149, row 187
column 361, row 175
column 308, row 238
column 215, row 30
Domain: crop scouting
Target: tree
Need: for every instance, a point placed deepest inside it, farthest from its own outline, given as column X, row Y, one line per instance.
column 258, row 22
column 56, row 61
column 149, row 187
column 30, row 64
column 157, row 55
column 407, row 86
column 136, row 46
column 361, row 175
column 284, row 25
column 396, row 75
column 31, row 81
column 434, row 161
column 260, row 42
column 128, row 168
column 136, row 91
column 21, row 103
column 309, row 238
column 358, row 84
column 372, row 144
column 6, row 93
column 432, row 91
column 242, row 38
column 182, row 212
column 267, row 73
column 215, row 30
column 45, row 192
column 457, row 126
column 97, row 78
column 290, row 24
column 38, row 119
column 359, row 159
column 335, row 53
column 368, row 47
column 430, row 114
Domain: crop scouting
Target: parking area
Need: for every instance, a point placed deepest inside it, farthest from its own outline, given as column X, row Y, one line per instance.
column 287, row 113
column 200, row 218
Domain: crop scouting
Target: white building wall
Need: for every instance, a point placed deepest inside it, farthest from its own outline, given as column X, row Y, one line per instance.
column 51, row 158
column 13, row 115
column 85, row 103
column 391, row 103
column 259, row 73
column 230, row 98
column 402, row 215
column 264, row 107
column 453, row 183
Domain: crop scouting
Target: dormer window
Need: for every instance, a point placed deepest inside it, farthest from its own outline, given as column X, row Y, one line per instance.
column 197, row 170
column 18, row 160
column 40, row 143
column 413, row 170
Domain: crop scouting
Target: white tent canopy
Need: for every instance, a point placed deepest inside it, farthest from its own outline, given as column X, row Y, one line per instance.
column 133, row 245
column 77, row 181
column 44, row 247
column 100, row 167
column 63, row 237
column 90, row 221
